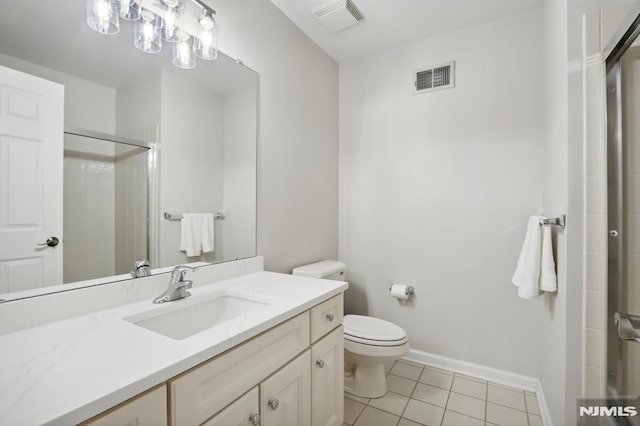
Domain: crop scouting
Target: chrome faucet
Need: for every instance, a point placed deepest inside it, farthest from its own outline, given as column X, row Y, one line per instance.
column 177, row 285
column 141, row 268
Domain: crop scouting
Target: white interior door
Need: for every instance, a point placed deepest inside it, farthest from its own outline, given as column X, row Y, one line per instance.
column 31, row 179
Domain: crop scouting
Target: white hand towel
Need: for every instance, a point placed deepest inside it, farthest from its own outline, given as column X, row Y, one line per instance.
column 548, row 280
column 190, row 235
column 196, row 233
column 206, row 228
column 527, row 275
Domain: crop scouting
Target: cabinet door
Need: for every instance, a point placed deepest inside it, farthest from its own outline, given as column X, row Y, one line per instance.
column 149, row 409
column 285, row 397
column 327, row 380
column 205, row 390
column 243, row 412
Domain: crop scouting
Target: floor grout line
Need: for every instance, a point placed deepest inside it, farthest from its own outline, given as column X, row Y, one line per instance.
column 506, row 406
column 445, row 406
column 526, row 408
column 486, row 405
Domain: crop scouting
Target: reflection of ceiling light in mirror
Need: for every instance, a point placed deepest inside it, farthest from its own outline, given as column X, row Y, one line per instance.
column 207, row 21
column 170, row 31
column 130, row 9
column 146, row 33
column 155, row 20
column 183, row 55
column 102, row 16
column 206, row 45
column 173, row 3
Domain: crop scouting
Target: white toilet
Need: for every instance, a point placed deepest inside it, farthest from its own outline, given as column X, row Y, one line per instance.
column 368, row 342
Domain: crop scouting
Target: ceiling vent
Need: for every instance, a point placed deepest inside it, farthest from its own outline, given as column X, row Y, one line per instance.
column 435, row 78
column 338, row 15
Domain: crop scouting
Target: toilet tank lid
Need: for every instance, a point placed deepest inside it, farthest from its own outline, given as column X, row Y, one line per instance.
column 320, row 269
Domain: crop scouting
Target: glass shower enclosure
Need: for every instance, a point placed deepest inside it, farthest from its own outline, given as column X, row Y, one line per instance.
column 106, row 184
column 623, row 210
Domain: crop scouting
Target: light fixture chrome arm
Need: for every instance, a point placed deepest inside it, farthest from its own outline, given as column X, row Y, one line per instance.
column 177, row 285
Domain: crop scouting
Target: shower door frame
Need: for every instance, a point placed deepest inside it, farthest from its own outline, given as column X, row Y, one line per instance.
column 615, row 225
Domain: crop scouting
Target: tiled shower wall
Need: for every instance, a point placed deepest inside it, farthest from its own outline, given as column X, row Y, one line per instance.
column 88, row 209
column 596, row 219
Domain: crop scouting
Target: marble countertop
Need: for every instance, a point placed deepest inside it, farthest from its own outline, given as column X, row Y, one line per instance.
column 68, row 371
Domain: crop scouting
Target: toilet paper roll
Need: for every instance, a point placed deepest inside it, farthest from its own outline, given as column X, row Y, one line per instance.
column 399, row 291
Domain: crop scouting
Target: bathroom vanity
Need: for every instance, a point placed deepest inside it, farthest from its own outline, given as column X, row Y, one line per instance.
column 272, row 356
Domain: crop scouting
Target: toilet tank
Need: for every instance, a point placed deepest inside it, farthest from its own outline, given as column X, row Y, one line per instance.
column 325, row 269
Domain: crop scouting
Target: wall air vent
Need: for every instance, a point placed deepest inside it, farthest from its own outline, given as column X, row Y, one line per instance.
column 338, row 15
column 436, row 78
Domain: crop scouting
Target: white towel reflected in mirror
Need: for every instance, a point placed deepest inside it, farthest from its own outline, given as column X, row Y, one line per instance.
column 196, row 233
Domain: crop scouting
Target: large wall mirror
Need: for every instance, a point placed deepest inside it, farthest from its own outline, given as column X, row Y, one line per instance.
column 142, row 144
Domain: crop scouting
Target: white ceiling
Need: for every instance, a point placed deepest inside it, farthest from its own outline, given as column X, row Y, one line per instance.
column 390, row 23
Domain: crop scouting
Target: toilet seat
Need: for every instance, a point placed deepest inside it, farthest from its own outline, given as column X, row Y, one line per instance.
column 373, row 331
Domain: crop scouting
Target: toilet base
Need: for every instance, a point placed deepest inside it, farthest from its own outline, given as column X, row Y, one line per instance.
column 367, row 381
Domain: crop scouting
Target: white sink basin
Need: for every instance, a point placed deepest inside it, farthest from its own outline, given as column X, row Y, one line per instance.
column 189, row 317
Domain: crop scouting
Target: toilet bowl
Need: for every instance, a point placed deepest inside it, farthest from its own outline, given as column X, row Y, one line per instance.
column 368, row 342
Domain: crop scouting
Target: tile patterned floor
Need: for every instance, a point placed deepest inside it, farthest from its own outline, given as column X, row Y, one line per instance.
column 419, row 395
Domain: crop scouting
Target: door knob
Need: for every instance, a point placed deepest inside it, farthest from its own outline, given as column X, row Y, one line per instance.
column 273, row 404
column 320, row 363
column 51, row 242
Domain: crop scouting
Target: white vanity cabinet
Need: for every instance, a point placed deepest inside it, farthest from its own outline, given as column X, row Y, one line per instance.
column 290, row 375
column 147, row 409
column 205, row 390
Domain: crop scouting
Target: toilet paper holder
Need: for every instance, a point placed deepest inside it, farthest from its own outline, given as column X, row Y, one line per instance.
column 408, row 291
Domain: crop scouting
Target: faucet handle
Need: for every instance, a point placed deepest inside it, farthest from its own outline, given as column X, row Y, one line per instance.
column 180, row 271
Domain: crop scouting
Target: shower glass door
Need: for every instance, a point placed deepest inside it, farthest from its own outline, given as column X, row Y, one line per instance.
column 623, row 195
column 628, row 295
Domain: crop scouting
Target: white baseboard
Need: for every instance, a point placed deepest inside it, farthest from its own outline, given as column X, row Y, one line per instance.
column 486, row 373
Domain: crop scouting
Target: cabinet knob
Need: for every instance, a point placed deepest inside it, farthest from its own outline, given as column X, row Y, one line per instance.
column 255, row 419
column 331, row 317
column 273, row 404
column 320, row 363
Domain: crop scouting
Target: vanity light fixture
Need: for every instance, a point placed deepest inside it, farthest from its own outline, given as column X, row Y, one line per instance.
column 190, row 25
column 169, row 24
column 102, row 16
column 183, row 54
column 146, row 33
column 206, row 44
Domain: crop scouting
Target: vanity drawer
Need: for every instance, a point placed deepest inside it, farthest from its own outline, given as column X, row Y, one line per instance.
column 326, row 316
column 203, row 391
